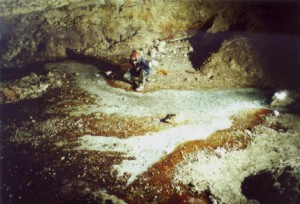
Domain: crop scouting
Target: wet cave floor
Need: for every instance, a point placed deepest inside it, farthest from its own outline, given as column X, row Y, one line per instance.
column 94, row 140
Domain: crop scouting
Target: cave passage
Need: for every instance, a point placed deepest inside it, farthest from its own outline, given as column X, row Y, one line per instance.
column 198, row 114
column 108, row 137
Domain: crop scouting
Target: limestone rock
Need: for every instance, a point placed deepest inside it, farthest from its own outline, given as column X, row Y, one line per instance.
column 47, row 30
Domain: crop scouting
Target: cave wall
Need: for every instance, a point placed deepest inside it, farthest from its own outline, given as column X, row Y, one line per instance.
column 37, row 31
column 34, row 31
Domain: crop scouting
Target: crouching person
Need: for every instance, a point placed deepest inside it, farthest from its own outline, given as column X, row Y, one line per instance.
column 139, row 72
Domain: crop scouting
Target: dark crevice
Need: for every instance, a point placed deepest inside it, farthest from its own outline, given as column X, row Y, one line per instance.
column 265, row 188
column 102, row 64
column 204, row 43
column 16, row 73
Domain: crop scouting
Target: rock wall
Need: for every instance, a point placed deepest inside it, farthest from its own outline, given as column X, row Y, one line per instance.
column 43, row 30
column 37, row 31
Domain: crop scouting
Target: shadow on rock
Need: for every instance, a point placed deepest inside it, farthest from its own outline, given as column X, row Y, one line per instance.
column 204, row 43
column 266, row 188
column 16, row 73
column 107, row 68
